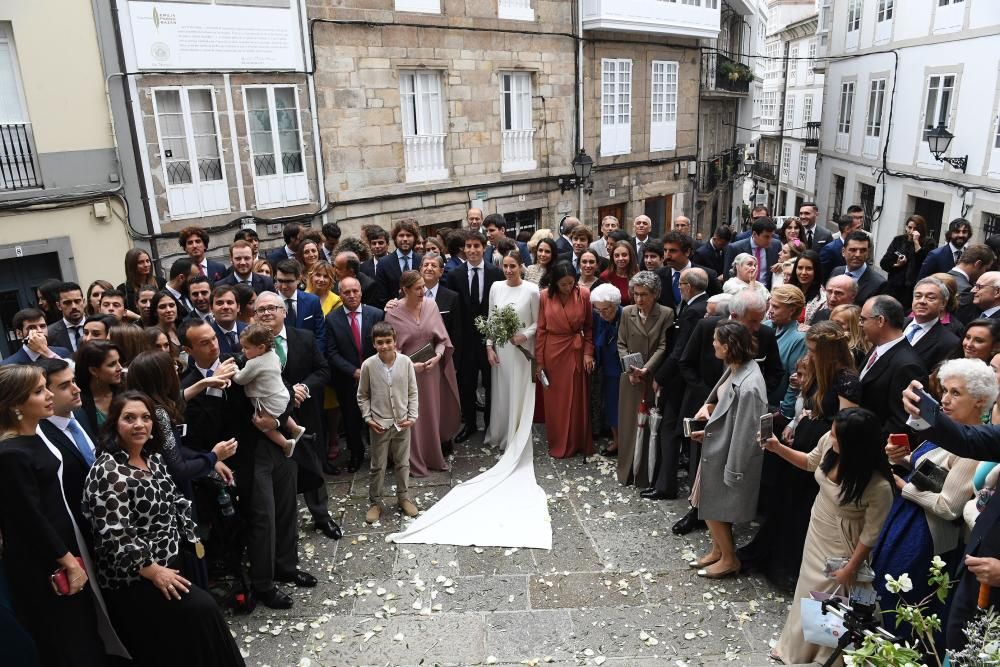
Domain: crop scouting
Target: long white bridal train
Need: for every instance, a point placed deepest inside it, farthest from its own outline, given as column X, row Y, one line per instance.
column 502, row 507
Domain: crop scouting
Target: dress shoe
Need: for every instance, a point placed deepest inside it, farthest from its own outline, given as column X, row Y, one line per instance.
column 329, row 528
column 299, row 578
column 705, row 574
column 654, row 494
column 466, row 433
column 373, row 514
column 409, row 509
column 354, row 465
column 688, row 522
column 275, row 599
column 330, row 468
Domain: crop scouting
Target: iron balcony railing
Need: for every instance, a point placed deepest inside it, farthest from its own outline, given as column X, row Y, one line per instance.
column 18, row 162
column 812, row 134
column 719, row 72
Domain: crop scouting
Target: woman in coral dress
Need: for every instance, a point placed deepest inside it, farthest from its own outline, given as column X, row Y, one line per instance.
column 564, row 348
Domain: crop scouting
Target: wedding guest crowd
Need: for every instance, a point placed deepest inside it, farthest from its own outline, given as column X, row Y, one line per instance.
column 135, row 467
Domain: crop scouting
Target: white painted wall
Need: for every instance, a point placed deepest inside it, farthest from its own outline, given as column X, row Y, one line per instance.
column 927, row 44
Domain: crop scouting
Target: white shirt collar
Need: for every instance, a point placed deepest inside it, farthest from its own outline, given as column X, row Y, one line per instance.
column 432, row 291
column 226, row 331
column 289, row 252
column 673, row 271
column 989, row 311
column 958, row 270
column 476, row 266
column 694, row 298
column 953, row 249
column 282, row 334
column 926, row 326
column 62, row 423
column 31, row 353
column 204, row 371
column 857, row 272
column 885, row 347
column 70, row 325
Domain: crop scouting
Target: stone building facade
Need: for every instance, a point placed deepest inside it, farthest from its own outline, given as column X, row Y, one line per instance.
column 426, row 113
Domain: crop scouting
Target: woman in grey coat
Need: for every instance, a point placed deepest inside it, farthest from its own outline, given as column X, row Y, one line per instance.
column 725, row 490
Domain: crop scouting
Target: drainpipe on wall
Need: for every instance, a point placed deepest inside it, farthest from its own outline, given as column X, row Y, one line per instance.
column 579, row 96
column 310, row 67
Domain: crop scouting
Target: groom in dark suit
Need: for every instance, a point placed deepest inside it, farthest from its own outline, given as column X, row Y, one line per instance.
column 390, row 267
column 472, row 282
column 348, row 344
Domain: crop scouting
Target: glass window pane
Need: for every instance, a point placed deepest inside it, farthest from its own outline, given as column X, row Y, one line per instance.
column 200, row 99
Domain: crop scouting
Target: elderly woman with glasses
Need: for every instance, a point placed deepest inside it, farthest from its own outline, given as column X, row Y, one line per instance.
column 643, row 331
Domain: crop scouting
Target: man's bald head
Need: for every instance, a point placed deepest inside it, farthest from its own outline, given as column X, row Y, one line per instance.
column 474, row 218
column 568, row 224
column 840, row 290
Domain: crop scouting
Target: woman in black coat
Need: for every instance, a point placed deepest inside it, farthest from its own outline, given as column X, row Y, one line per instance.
column 902, row 259
column 38, row 530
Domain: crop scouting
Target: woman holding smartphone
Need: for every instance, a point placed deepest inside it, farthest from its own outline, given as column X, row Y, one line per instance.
column 902, row 259
column 855, row 494
column 923, row 521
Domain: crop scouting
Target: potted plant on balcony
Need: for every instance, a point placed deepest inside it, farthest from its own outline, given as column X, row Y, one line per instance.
column 735, row 71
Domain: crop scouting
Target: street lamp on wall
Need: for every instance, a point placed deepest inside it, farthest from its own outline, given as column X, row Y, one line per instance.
column 583, row 164
column 939, row 140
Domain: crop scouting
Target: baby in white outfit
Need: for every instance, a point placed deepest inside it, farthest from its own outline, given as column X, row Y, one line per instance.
column 261, row 380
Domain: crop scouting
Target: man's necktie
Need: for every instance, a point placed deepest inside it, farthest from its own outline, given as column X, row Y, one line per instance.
column 871, row 362
column 428, row 294
column 474, row 289
column 75, row 333
column 290, row 310
column 234, row 341
column 677, row 287
column 281, row 350
column 912, row 332
column 958, row 253
column 81, row 442
column 406, row 263
column 761, row 270
column 809, row 238
column 356, row 332
column 641, row 250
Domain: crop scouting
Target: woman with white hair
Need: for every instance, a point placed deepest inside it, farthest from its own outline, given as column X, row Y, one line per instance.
column 643, row 331
column 925, row 519
column 607, row 303
column 744, row 276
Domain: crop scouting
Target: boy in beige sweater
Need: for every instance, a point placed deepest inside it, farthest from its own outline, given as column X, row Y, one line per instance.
column 387, row 397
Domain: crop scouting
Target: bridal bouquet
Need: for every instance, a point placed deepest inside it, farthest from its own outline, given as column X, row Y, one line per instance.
column 500, row 326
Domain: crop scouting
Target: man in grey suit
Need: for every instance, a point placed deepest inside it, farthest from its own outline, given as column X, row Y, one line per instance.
column 976, row 258
column 985, row 297
column 814, row 235
column 857, row 249
column 68, row 332
column 762, row 244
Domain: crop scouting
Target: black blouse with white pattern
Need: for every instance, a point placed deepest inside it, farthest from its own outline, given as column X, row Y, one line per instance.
column 138, row 517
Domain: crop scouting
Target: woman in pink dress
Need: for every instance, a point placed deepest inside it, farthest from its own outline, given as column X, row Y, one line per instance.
column 418, row 323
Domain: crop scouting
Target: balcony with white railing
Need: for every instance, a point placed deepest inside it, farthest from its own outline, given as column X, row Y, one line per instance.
column 517, row 10
column 424, row 156
column 518, row 151
column 658, row 17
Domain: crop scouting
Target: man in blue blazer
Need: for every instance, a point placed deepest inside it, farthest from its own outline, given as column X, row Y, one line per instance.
column 831, row 255
column 227, row 328
column 391, row 266
column 241, row 255
column 943, row 259
column 857, row 250
column 293, row 233
column 194, row 241
column 31, row 330
column 495, row 226
column 302, row 310
column 348, row 344
column 762, row 244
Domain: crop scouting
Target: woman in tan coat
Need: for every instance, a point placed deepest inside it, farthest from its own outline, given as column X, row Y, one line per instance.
column 643, row 329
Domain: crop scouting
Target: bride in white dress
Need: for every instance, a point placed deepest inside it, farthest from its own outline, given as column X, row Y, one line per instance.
column 504, row 506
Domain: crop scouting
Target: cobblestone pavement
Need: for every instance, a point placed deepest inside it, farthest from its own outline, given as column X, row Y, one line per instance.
column 615, row 589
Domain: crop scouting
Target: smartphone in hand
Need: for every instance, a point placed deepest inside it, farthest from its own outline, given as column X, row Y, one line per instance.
column 766, row 427
column 900, row 440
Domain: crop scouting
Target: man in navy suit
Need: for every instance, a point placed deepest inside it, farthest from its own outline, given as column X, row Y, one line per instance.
column 712, row 253
column 931, row 340
column 31, row 330
column 242, row 257
column 432, row 269
column 472, row 282
column 495, row 226
column 294, row 234
column 831, row 255
column 194, row 241
column 762, row 244
column 227, row 328
column 390, row 267
column 348, row 344
column 70, row 435
column 378, row 243
column 941, row 260
column 68, row 332
column 676, row 260
column 564, row 244
column 302, row 310
column 857, row 250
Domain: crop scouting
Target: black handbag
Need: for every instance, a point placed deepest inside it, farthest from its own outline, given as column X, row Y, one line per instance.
column 928, row 476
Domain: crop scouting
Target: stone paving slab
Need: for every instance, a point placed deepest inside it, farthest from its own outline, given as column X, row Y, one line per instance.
column 615, row 589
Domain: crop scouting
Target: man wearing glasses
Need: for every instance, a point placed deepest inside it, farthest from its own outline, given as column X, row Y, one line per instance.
column 302, row 310
column 986, row 296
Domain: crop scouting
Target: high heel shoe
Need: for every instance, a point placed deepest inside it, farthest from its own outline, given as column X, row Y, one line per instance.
column 702, row 563
column 705, row 574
